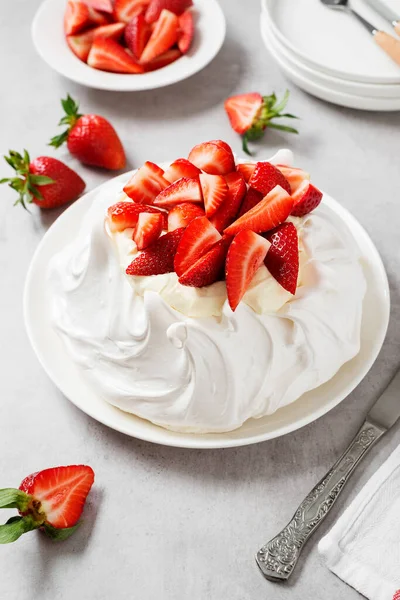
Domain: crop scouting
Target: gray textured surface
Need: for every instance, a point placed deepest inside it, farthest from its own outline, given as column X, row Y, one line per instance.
column 161, row 522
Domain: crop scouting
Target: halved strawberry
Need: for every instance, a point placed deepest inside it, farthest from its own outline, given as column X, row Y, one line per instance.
column 163, row 37
column 81, row 44
column 251, row 200
column 148, row 229
column 215, row 191
column 246, row 169
column 273, row 210
column 197, row 239
column 282, row 260
column 245, row 256
column 181, row 168
column 209, row 268
column 306, row 198
column 159, row 258
column 157, row 6
column 266, row 176
column 212, row 158
column 164, row 60
column 223, row 145
column 104, row 5
column 125, row 10
column 294, row 176
column 182, row 190
column 186, row 28
column 137, row 34
column 124, row 215
column 76, row 17
column 183, row 214
column 230, row 208
column 146, row 183
column 108, row 55
column 242, row 110
column 97, row 18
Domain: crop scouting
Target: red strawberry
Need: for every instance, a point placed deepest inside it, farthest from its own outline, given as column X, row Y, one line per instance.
column 197, row 239
column 266, row 176
column 97, row 18
column 125, row 10
column 212, row 158
column 273, row 210
column 159, row 258
column 76, row 17
column 215, row 191
column 104, row 5
column 282, row 260
column 247, row 170
column 396, row 595
column 137, row 34
column 148, row 229
column 157, row 6
column 108, row 55
column 209, row 267
column 163, row 37
column 294, row 176
column 306, row 198
column 81, row 44
column 186, row 26
column 90, row 138
column 125, row 215
column 245, row 256
column 58, row 183
column 230, row 208
column 183, row 214
column 242, row 110
column 165, row 59
column 223, row 145
column 182, row 190
column 146, row 183
column 181, row 168
column 252, row 198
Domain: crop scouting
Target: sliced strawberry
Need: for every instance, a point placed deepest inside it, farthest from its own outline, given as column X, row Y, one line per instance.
column 215, row 191
column 186, row 27
column 76, row 17
column 103, row 5
column 164, row 60
column 242, row 110
column 108, row 55
column 124, row 215
column 97, row 18
column 266, row 176
column 198, row 238
column 157, row 6
column 183, row 214
column 182, row 190
column 137, row 34
column 282, row 260
column 125, row 10
column 223, row 145
column 252, row 198
column 245, row 256
column 81, row 44
column 148, row 229
column 181, row 168
column 212, row 158
column 163, row 37
column 61, row 493
column 230, row 208
column 146, row 183
column 247, row 170
column 294, row 176
column 306, row 198
column 209, row 268
column 159, row 258
column 273, row 210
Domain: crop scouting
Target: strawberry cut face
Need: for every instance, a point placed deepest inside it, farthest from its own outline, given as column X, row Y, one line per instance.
column 146, row 183
column 199, row 237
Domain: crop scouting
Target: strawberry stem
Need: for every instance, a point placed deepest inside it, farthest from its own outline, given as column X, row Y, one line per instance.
column 71, row 109
column 25, row 184
column 12, row 498
column 15, row 527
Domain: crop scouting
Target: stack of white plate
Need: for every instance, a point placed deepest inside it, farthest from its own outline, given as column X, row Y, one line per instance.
column 330, row 55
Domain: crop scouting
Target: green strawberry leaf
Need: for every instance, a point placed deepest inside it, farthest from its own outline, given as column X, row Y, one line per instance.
column 16, row 527
column 58, row 535
column 12, row 498
column 41, row 180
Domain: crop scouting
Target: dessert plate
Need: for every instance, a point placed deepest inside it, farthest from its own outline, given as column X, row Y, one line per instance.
column 49, row 41
column 65, row 374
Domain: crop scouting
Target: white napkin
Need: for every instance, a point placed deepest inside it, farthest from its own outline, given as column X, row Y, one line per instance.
column 363, row 548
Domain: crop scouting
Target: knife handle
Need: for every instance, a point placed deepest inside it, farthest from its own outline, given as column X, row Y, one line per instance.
column 278, row 557
column 389, row 44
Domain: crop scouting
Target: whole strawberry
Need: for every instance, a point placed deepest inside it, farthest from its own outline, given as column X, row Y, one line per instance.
column 90, row 138
column 45, row 181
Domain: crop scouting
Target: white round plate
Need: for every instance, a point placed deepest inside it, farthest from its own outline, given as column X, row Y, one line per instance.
column 374, row 90
column 49, row 41
column 333, row 41
column 69, row 379
column 325, row 92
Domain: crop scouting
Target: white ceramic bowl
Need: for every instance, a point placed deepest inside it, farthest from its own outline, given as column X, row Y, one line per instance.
column 69, row 379
column 49, row 41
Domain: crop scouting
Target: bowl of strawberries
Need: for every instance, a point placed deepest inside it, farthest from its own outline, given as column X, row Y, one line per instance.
column 128, row 45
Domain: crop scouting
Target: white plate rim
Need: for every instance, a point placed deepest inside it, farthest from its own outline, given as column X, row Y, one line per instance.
column 56, row 53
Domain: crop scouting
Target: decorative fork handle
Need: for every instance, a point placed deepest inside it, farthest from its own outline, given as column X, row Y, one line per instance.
column 278, row 558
